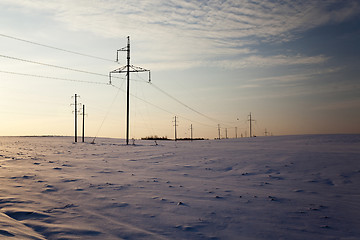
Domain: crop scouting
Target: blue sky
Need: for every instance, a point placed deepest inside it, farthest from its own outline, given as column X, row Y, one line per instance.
column 293, row 64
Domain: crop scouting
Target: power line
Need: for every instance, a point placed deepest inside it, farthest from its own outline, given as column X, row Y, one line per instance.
column 54, row 78
column 107, row 113
column 101, row 83
column 54, row 66
column 82, row 71
column 162, row 109
column 180, row 102
column 55, row 48
column 98, row 74
column 185, row 105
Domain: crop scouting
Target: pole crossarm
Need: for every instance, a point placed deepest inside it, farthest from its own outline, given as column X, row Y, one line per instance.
column 132, row 68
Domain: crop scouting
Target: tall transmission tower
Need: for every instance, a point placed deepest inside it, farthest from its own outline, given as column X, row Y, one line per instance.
column 250, row 120
column 127, row 69
column 175, row 125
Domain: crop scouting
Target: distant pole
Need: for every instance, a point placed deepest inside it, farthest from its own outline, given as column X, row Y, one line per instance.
column 250, row 120
column 128, row 90
column 226, row 133
column 266, row 132
column 175, row 125
column 250, row 125
column 83, row 125
column 191, row 132
column 236, row 132
column 75, row 118
column 75, row 115
column 219, row 130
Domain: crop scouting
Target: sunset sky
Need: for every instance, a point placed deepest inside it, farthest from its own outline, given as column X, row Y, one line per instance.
column 294, row 65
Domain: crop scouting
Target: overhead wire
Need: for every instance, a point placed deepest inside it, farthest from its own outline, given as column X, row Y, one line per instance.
column 54, row 78
column 180, row 102
column 100, row 83
column 55, row 48
column 93, row 73
column 54, row 66
column 158, row 107
column 107, row 114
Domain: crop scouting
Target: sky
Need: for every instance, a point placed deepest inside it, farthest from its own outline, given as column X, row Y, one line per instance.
column 292, row 64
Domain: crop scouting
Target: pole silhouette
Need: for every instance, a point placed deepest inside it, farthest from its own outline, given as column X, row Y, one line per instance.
column 219, row 130
column 83, row 125
column 250, row 120
column 191, row 132
column 175, row 125
column 127, row 69
column 75, row 116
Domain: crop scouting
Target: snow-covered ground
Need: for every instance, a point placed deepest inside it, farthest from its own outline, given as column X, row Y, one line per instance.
column 285, row 187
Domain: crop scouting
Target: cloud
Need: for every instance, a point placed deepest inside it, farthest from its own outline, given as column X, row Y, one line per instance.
column 223, row 32
column 307, row 75
column 256, row 61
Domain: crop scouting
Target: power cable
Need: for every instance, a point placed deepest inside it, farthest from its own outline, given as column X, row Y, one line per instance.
column 172, row 113
column 99, row 83
column 51, row 65
column 55, row 78
column 185, row 105
column 180, row 102
column 107, row 113
column 55, row 48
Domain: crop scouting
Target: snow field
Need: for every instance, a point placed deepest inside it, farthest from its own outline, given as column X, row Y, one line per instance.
column 286, row 187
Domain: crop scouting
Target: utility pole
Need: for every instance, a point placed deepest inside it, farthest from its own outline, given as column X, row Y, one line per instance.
column 266, row 132
column 250, row 120
column 75, row 115
column 191, row 132
column 127, row 69
column 83, row 125
column 236, row 132
column 226, row 133
column 219, row 130
column 175, row 125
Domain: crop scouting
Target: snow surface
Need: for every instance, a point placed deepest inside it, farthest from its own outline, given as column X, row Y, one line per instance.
column 285, row 187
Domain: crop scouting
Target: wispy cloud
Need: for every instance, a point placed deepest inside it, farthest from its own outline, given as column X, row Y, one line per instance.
column 305, row 90
column 270, row 61
column 223, row 32
column 290, row 78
